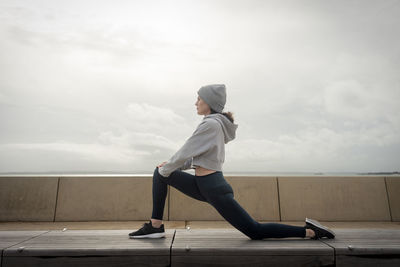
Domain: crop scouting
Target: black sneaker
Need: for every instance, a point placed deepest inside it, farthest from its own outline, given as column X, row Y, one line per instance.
column 320, row 230
column 148, row 231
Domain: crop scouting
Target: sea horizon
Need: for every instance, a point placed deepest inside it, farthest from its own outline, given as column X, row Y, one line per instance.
column 243, row 173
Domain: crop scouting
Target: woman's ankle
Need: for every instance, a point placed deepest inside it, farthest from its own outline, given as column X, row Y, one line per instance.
column 156, row 223
column 310, row 233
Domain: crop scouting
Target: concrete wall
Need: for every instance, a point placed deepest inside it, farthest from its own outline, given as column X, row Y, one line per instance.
column 334, row 198
column 257, row 195
column 28, row 198
column 265, row 198
column 105, row 199
column 393, row 190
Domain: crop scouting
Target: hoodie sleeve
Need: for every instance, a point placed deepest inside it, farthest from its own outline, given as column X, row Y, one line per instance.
column 202, row 139
column 187, row 164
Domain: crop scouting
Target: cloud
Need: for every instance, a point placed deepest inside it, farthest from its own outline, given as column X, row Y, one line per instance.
column 349, row 99
column 312, row 149
column 142, row 136
column 100, row 85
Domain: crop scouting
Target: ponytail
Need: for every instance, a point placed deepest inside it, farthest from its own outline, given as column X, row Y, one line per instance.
column 227, row 114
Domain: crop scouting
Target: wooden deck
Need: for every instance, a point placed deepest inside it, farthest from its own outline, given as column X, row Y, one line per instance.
column 197, row 247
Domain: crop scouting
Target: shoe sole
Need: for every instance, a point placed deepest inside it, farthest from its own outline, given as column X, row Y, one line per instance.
column 154, row 235
column 317, row 224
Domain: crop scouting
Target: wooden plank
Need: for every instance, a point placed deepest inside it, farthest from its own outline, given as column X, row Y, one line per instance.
column 197, row 247
column 366, row 247
column 232, row 248
column 363, row 261
column 365, row 241
column 91, row 242
column 90, row 248
column 253, row 261
column 87, row 261
column 11, row 238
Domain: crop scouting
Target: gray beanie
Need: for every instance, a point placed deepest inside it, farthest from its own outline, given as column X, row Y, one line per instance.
column 214, row 95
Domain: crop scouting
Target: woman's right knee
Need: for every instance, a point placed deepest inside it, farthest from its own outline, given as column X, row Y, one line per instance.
column 157, row 175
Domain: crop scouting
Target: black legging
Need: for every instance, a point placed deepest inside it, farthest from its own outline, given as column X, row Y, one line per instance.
column 214, row 189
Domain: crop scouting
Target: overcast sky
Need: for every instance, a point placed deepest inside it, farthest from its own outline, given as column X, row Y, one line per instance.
column 111, row 85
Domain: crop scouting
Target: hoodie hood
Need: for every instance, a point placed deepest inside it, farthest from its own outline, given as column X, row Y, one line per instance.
column 228, row 128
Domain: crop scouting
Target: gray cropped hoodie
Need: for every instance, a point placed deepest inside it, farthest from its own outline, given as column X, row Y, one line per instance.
column 206, row 146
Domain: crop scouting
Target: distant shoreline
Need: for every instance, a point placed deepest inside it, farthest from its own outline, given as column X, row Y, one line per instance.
column 190, row 171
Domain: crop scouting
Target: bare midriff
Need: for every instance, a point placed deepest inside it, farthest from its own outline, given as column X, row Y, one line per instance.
column 200, row 171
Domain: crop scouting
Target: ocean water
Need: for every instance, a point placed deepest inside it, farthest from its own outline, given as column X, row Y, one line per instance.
column 226, row 173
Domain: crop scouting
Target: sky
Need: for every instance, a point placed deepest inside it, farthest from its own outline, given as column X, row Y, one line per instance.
column 95, row 86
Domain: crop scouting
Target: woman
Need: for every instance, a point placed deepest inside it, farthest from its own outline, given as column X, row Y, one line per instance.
column 205, row 152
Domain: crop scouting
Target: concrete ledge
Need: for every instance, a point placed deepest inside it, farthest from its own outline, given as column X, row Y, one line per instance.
column 334, row 198
column 27, row 199
column 393, row 190
column 257, row 195
column 129, row 198
column 105, row 198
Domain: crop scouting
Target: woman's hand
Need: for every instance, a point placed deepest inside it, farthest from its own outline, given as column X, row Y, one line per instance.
column 162, row 164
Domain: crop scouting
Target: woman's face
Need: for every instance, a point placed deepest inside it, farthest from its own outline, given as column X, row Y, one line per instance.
column 202, row 107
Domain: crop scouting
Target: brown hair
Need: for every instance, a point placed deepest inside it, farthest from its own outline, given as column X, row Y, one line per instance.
column 227, row 114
